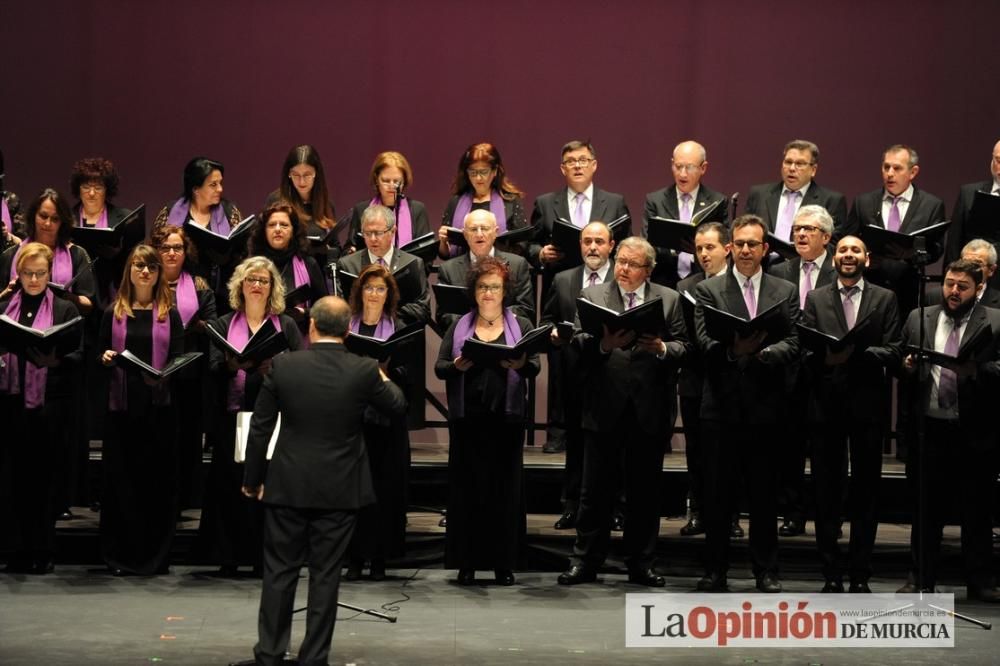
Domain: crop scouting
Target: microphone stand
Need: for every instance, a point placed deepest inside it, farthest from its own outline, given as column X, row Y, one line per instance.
column 734, row 204
column 395, row 209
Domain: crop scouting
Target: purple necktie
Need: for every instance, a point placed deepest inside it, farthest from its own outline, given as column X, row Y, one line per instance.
column 806, row 284
column 784, row 229
column 894, row 214
column 849, row 316
column 578, row 220
column 631, row 300
column 948, row 385
column 685, row 259
column 592, row 278
column 381, row 261
column 749, row 297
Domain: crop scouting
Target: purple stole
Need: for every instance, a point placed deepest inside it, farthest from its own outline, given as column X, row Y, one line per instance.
column 383, row 329
column 5, row 215
column 404, row 223
column 102, row 221
column 238, row 335
column 118, row 401
column 464, row 207
column 464, row 329
column 34, row 376
column 62, row 264
column 186, row 298
column 218, row 223
column 300, row 275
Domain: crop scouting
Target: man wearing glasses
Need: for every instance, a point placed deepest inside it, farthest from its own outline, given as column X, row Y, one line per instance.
column 777, row 203
column 683, row 201
column 743, row 405
column 629, row 405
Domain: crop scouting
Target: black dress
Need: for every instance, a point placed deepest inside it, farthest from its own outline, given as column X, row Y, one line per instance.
column 139, row 505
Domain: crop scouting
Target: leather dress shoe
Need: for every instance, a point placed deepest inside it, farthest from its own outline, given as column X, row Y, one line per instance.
column 988, row 594
column 769, row 584
column 832, row 587
column 578, row 573
column 443, row 522
column 646, row 577
column 859, row 587
column 504, row 577
column 554, row 446
column 377, row 572
column 791, row 528
column 735, row 531
column 567, row 521
column 694, row 526
column 466, row 576
column 617, row 522
column 713, row 583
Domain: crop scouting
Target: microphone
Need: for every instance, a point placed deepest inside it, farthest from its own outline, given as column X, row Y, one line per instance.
column 735, row 198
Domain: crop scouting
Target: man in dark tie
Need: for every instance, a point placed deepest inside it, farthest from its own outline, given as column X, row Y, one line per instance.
column 682, row 201
column 777, row 203
column 629, row 402
column 953, row 445
column 958, row 235
column 849, row 408
column 317, row 479
column 744, row 405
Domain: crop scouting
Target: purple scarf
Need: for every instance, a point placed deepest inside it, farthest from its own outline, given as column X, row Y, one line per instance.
column 186, row 298
column 34, row 376
column 5, row 215
column 102, row 221
column 300, row 275
column 404, row 223
column 62, row 264
column 218, row 223
column 238, row 335
column 464, row 330
column 118, row 401
column 383, row 329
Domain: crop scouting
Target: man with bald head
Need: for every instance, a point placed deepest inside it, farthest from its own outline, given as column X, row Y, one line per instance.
column 848, row 411
column 957, row 234
column 682, row 201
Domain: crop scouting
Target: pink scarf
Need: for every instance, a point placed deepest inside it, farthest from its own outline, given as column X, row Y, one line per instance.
column 186, row 297
column 62, row 264
column 34, row 376
column 118, row 401
column 5, row 215
column 404, row 223
column 238, row 335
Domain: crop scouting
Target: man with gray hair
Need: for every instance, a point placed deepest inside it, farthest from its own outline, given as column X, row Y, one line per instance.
column 984, row 253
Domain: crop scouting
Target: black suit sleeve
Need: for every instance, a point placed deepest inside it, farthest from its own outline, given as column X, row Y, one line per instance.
column 444, row 367
column 524, row 290
column 418, row 310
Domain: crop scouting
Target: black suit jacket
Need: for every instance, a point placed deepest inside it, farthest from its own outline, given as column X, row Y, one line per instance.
column 957, row 236
column 976, row 394
column 692, row 373
column 320, row 459
column 855, row 390
column 763, row 201
column 749, row 390
column 990, row 297
column 607, row 206
column 408, row 269
column 663, row 203
column 521, row 297
column 612, row 380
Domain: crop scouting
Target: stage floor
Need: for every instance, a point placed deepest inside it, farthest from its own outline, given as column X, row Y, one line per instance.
column 82, row 616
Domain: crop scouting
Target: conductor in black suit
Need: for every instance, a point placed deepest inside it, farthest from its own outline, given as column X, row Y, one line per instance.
column 317, row 479
column 957, row 233
column 743, row 405
column 629, row 403
column 849, row 408
column 682, row 201
column 777, row 203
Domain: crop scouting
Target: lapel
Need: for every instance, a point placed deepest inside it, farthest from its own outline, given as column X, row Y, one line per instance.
column 575, row 283
column 703, row 200
column 812, row 195
column 766, row 298
column 835, row 304
column 911, row 211
column 613, row 297
column 930, row 326
column 733, row 295
column 827, row 274
column 561, row 205
column 772, row 206
column 977, row 320
column 876, row 204
column 670, row 204
column 598, row 207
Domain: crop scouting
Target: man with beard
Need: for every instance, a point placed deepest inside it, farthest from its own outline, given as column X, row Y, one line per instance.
column 849, row 407
column 983, row 253
column 958, row 431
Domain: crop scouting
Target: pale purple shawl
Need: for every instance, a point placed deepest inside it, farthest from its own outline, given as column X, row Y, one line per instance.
column 187, row 298
column 218, row 223
column 5, row 215
column 35, row 377
column 383, row 329
column 464, row 329
column 161, row 350
column 404, row 223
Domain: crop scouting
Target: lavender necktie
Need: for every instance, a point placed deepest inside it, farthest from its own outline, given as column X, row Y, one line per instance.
column 685, row 259
column 749, row 297
column 849, row 315
column 631, row 300
column 578, row 220
column 381, row 261
column 592, row 278
column 948, row 385
column 784, row 229
column 806, row 284
column 894, row 221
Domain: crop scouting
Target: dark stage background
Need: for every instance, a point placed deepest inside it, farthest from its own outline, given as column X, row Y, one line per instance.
column 150, row 84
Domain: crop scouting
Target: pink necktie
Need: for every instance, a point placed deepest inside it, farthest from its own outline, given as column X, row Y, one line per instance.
column 784, row 229
column 685, row 259
column 948, row 385
column 749, row 297
column 578, row 220
column 848, row 302
column 806, row 285
column 631, row 299
column 894, row 221
column 592, row 278
column 381, row 261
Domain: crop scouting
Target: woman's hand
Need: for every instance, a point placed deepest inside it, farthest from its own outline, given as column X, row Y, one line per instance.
column 108, row 358
column 515, row 364
column 463, row 364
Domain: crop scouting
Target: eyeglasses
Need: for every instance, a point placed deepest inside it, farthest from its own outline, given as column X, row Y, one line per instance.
column 578, row 162
column 798, row 164
column 259, row 281
column 93, row 189
column 479, row 173
column 804, row 228
column 372, row 289
column 752, row 244
column 141, row 266
column 489, row 288
column 376, row 234
column 171, row 249
column 389, row 182
column 685, row 168
column 36, row 275
column 480, row 229
column 303, row 177
column 628, row 264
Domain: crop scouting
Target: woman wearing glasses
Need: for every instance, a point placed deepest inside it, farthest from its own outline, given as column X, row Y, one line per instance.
column 481, row 183
column 36, row 394
column 230, row 522
column 303, row 184
column 138, row 510
column 391, row 173
column 487, row 408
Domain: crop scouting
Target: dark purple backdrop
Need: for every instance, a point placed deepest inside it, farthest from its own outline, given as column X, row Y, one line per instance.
column 150, row 84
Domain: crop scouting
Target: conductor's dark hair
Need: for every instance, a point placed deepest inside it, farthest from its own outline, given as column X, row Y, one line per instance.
column 196, row 172
column 970, row 268
column 717, row 227
column 331, row 315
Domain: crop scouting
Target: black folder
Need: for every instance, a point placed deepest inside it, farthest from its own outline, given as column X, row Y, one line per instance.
column 818, row 341
column 237, row 238
column 325, row 238
column 62, row 289
column 895, row 245
column 566, row 236
column 425, row 247
column 452, row 299
column 300, row 295
column 673, row 234
column 645, row 318
column 409, row 290
column 456, row 237
column 93, row 237
column 984, row 218
column 17, row 338
column 784, row 249
column 970, row 350
column 565, row 330
column 262, row 345
column 364, row 345
column 723, row 326
column 491, row 353
column 127, row 359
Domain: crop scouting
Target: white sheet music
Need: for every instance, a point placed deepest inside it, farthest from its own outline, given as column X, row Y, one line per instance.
column 243, row 433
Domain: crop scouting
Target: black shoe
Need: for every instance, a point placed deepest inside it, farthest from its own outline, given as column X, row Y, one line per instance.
column 791, row 528
column 504, row 577
column 694, row 526
column 443, row 522
column 859, row 587
column 617, row 522
column 377, row 572
column 646, row 577
column 769, row 584
column 990, row 595
column 554, row 446
column 578, row 573
column 567, row 521
column 735, row 531
column 833, row 587
column 911, row 588
column 713, row 583
column 466, row 576
column 354, row 568
column 66, row 514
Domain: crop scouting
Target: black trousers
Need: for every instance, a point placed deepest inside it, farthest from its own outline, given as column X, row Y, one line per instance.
column 292, row 538
column 734, row 451
column 693, row 454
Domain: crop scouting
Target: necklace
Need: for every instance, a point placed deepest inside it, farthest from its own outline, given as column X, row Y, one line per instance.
column 490, row 322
